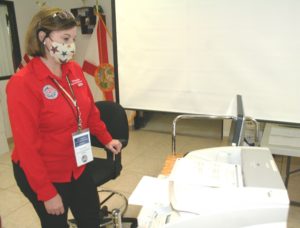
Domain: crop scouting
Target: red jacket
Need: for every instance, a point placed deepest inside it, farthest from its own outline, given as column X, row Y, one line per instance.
column 43, row 120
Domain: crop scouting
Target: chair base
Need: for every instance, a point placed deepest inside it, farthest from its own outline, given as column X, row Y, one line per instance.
column 108, row 222
column 110, row 194
column 106, row 215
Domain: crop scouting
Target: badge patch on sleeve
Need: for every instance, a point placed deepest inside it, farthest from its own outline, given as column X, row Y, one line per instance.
column 50, row 92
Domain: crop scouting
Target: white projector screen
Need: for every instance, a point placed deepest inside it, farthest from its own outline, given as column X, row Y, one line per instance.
column 195, row 56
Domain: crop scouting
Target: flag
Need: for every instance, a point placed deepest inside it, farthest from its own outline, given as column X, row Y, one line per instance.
column 97, row 64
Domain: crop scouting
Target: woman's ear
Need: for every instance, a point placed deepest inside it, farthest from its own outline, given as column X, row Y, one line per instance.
column 42, row 36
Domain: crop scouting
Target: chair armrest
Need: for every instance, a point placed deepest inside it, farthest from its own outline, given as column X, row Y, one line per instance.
column 96, row 143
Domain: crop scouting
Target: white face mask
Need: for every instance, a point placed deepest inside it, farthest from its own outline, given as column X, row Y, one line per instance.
column 62, row 53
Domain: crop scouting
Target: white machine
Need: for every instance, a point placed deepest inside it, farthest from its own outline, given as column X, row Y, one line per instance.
column 223, row 187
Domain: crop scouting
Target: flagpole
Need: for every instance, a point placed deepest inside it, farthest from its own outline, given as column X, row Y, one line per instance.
column 101, row 20
column 99, row 17
column 97, row 8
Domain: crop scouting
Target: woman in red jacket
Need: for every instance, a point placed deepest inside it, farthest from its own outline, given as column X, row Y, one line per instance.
column 52, row 112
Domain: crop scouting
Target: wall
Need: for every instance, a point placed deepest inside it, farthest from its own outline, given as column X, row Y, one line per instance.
column 24, row 11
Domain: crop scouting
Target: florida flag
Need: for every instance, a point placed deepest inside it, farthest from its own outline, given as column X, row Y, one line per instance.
column 97, row 65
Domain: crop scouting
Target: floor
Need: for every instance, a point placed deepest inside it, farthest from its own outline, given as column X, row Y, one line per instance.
column 144, row 155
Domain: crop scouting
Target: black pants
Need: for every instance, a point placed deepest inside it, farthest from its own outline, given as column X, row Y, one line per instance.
column 79, row 195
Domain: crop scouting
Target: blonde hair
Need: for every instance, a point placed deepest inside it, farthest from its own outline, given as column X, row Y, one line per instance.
column 46, row 20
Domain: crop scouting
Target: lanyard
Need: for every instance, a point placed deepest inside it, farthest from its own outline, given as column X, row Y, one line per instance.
column 72, row 99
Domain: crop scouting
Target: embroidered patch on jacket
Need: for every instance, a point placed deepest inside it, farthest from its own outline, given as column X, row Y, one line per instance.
column 50, row 92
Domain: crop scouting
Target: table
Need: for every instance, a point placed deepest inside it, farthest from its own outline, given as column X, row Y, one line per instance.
column 283, row 140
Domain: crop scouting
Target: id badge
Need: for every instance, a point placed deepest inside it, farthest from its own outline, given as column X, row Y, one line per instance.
column 82, row 147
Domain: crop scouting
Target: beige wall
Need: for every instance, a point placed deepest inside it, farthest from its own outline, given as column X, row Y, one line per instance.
column 24, row 11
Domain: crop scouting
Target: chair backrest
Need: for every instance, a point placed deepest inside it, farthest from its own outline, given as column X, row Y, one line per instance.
column 115, row 118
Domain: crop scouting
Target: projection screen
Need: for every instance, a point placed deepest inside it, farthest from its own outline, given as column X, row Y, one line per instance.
column 195, row 56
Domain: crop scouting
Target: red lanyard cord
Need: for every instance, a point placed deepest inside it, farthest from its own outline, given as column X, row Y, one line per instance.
column 71, row 98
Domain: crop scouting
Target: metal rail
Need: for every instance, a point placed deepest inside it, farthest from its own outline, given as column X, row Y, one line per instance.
column 193, row 116
column 205, row 116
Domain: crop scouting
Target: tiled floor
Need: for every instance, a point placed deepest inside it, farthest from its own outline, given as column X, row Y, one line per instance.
column 144, row 155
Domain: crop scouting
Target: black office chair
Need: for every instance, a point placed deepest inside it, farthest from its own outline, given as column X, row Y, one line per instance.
column 109, row 168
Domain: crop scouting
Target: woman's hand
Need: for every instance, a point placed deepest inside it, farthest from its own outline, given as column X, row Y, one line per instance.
column 54, row 206
column 114, row 146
